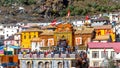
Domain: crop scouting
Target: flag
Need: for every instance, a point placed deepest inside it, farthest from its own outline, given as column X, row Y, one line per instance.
column 87, row 18
column 68, row 14
column 53, row 22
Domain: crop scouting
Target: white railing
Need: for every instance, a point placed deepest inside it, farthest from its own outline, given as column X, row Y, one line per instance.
column 35, row 56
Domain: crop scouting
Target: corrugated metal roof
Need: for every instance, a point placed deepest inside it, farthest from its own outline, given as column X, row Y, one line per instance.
column 103, row 27
column 97, row 45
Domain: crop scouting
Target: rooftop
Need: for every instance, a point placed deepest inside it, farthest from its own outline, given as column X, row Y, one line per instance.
column 36, row 39
column 47, row 32
column 97, row 45
column 32, row 29
column 103, row 27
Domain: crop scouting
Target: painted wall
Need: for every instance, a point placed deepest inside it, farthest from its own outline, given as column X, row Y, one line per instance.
column 8, row 42
column 106, row 32
column 26, row 38
column 99, row 59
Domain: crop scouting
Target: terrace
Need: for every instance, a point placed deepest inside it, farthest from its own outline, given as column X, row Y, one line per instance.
column 35, row 56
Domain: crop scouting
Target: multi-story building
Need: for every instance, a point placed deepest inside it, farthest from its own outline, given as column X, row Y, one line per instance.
column 64, row 33
column 99, row 21
column 47, row 62
column 28, row 35
column 100, row 54
column 105, row 30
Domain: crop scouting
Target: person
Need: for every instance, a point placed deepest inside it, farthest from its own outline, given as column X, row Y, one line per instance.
column 30, row 54
column 78, row 61
column 59, row 54
column 38, row 53
column 52, row 54
column 85, row 61
column 24, row 53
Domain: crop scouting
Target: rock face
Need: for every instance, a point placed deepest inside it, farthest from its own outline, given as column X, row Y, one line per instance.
column 50, row 9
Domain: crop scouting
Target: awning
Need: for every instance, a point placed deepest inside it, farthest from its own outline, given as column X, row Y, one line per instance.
column 9, row 64
column 1, row 47
column 14, row 47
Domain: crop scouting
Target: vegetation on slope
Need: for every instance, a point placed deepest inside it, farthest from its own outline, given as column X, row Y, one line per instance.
column 59, row 8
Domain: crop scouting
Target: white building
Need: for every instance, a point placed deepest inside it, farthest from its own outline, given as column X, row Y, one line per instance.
column 114, row 17
column 17, row 39
column 97, row 52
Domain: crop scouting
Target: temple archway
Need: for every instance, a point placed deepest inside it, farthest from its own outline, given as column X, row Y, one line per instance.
column 47, row 65
column 40, row 64
column 62, row 32
column 60, row 65
column 29, row 65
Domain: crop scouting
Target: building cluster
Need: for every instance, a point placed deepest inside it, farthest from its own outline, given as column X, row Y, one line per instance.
column 97, row 36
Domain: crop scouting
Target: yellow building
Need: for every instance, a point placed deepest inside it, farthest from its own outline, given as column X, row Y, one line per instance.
column 28, row 35
column 105, row 30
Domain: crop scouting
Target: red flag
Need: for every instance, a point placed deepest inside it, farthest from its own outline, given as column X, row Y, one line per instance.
column 87, row 18
column 53, row 22
column 68, row 14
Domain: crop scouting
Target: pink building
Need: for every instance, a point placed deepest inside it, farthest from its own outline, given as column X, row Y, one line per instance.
column 98, row 52
column 9, row 40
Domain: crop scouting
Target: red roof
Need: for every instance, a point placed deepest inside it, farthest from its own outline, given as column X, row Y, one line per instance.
column 101, row 45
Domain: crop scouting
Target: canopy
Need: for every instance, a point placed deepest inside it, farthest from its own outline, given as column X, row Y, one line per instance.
column 14, row 47
column 1, row 47
column 9, row 64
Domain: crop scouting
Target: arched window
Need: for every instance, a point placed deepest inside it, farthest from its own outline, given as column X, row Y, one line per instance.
column 47, row 65
column 29, row 65
column 40, row 65
column 60, row 65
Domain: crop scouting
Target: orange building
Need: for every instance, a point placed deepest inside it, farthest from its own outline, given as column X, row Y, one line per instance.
column 9, row 61
column 63, row 34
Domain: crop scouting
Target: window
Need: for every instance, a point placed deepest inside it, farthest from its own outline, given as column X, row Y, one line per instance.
column 112, row 54
column 50, row 42
column 34, row 36
column 17, row 30
column 35, row 44
column 104, row 54
column 7, row 35
column 24, row 37
column 10, row 59
column 95, row 54
column 96, row 64
column 78, row 40
column 8, row 26
column 29, row 36
column 17, row 42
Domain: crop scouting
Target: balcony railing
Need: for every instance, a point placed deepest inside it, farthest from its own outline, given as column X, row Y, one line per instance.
column 36, row 56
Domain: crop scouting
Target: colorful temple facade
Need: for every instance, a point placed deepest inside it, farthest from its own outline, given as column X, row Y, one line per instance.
column 63, row 34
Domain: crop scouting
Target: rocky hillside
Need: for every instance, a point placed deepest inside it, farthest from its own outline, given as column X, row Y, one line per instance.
column 45, row 10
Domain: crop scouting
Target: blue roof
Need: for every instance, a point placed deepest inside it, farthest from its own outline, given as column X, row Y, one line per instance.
column 14, row 47
column 9, row 64
column 1, row 47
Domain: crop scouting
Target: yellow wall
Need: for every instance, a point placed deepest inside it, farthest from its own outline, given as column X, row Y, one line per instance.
column 102, row 32
column 112, row 34
column 25, row 42
column 105, row 32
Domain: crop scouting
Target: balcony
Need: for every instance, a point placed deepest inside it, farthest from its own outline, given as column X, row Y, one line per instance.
column 35, row 56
